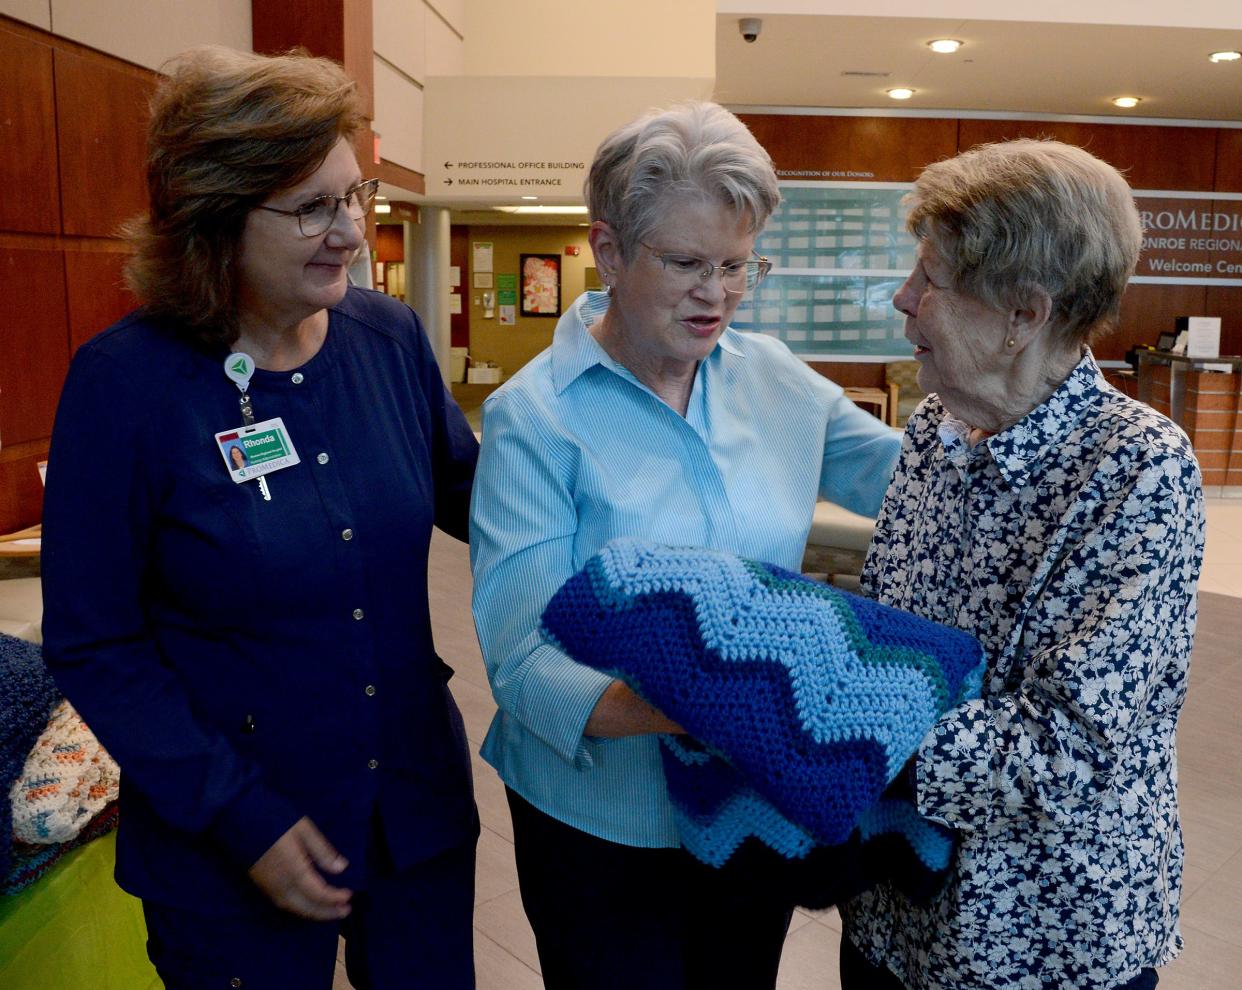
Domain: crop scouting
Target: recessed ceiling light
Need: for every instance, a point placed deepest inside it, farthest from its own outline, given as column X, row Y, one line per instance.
column 530, row 197
column 944, row 46
column 900, row 93
column 565, row 210
column 1224, row 56
column 1126, row 102
column 383, row 208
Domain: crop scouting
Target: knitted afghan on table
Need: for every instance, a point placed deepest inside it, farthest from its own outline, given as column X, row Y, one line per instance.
column 68, row 779
column 802, row 703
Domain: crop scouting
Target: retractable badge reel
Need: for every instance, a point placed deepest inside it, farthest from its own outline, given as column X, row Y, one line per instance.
column 256, row 449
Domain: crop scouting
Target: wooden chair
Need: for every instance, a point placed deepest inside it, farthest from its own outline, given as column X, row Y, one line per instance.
column 884, row 400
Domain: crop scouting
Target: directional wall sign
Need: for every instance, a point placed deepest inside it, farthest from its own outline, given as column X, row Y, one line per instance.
column 496, row 139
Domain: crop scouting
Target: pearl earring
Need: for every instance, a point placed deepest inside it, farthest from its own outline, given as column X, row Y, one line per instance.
column 1010, row 342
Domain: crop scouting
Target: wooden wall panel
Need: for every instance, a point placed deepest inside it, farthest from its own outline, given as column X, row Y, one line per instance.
column 1229, row 160
column 1226, row 302
column 101, row 112
column 21, row 490
column 1146, row 312
column 1152, row 157
column 34, row 344
column 389, row 242
column 849, row 374
column 337, row 29
column 892, row 149
column 96, row 295
column 31, row 201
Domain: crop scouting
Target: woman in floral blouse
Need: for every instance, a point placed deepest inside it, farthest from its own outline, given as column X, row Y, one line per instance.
column 1061, row 523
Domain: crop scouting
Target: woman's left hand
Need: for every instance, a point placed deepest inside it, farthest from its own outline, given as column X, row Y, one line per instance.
column 621, row 712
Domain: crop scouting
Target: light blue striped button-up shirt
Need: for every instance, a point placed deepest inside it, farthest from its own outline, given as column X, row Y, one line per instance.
column 576, row 451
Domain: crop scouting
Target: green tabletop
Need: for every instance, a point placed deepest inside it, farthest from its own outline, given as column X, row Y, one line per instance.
column 75, row 928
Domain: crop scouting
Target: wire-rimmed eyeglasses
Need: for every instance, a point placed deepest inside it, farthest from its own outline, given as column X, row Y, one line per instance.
column 319, row 214
column 688, row 271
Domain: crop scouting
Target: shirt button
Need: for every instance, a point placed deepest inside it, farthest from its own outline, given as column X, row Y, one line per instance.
column 322, row 458
column 296, row 378
column 358, row 613
column 235, row 982
column 372, row 764
column 369, row 690
column 347, row 535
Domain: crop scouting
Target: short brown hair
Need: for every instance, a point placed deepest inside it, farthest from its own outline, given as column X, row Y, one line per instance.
column 227, row 130
column 1019, row 214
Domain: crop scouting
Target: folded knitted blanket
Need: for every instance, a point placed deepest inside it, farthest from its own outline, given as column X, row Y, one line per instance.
column 27, row 694
column 68, row 779
column 31, row 862
column 802, row 704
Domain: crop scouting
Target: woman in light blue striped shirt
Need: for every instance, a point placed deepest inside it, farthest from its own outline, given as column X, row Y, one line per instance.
column 648, row 416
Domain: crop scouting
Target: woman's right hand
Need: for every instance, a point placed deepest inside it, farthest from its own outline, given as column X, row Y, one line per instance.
column 289, row 873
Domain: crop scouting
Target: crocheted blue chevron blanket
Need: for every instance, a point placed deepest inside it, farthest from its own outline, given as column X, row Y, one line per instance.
column 801, row 703
column 27, row 696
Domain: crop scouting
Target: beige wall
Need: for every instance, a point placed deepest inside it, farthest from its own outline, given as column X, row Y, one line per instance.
column 593, row 38
column 511, row 347
column 1188, row 13
column 147, row 32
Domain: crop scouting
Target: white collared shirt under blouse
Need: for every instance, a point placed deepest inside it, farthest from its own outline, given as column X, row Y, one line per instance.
column 576, row 451
column 1070, row 546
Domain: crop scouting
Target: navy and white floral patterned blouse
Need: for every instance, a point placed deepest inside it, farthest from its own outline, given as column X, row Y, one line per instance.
column 1070, row 545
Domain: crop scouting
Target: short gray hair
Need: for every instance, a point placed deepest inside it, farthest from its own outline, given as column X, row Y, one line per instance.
column 1018, row 215
column 690, row 149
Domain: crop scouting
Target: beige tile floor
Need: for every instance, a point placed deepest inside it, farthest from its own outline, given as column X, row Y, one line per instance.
column 1210, row 747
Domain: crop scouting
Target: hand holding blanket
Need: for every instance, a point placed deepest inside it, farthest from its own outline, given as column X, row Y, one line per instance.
column 808, row 701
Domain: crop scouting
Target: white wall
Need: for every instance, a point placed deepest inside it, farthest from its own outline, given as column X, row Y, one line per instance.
column 412, row 39
column 147, row 32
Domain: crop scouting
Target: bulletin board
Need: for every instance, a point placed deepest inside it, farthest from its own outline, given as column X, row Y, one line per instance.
column 839, row 251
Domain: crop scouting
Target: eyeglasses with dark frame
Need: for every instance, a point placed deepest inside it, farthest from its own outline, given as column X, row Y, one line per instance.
column 688, row 271
column 317, row 216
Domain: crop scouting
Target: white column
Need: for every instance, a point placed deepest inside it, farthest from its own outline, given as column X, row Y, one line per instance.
column 427, row 278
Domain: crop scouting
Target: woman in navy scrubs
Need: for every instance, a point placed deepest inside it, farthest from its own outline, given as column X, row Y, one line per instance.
column 253, row 643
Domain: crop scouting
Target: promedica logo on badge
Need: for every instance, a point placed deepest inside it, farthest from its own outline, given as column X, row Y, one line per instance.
column 265, row 446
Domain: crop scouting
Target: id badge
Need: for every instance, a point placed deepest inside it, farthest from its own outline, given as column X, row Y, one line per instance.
column 252, row 451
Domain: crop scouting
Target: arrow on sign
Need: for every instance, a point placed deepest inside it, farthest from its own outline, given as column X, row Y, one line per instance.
column 448, row 164
column 448, row 182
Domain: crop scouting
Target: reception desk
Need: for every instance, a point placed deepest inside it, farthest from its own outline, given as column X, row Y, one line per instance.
column 1206, row 404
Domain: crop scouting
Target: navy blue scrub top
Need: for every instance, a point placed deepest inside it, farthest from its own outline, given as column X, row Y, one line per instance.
column 248, row 662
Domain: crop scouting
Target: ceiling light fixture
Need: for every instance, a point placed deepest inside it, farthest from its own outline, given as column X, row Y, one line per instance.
column 944, row 46
column 530, row 197
column 563, row 210
column 1127, row 102
column 1224, row 56
column 900, row 93
column 383, row 208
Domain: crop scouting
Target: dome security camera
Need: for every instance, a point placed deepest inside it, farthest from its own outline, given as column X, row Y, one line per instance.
column 750, row 28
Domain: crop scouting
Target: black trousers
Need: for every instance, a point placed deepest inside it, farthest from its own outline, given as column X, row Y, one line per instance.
column 859, row 973
column 614, row 917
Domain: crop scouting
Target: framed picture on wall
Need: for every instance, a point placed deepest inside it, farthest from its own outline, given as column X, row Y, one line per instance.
column 541, row 284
